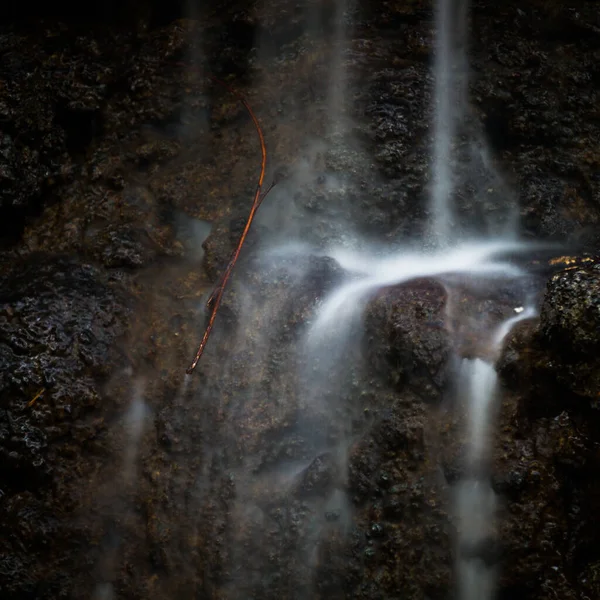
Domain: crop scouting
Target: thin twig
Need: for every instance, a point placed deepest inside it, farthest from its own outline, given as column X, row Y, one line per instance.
column 215, row 300
column 211, row 299
column 35, row 398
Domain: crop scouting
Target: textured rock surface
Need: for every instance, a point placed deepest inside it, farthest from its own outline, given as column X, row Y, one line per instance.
column 233, row 485
column 570, row 322
column 60, row 321
column 408, row 341
column 549, row 450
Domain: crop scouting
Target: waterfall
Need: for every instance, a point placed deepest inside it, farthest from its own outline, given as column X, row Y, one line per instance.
column 473, row 259
column 475, row 498
column 450, row 98
column 321, row 418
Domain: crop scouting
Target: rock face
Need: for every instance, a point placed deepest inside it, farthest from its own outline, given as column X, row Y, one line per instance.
column 570, row 322
column 408, row 341
column 276, row 472
column 60, row 320
column 560, row 354
column 548, row 453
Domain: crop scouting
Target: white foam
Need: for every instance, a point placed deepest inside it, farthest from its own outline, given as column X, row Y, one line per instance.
column 370, row 273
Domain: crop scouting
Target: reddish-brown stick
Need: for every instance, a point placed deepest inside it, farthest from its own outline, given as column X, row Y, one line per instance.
column 211, row 300
column 215, row 299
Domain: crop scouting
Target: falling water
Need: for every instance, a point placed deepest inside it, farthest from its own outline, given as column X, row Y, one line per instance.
column 135, row 417
column 475, row 260
column 370, row 273
column 481, row 380
column 337, row 85
column 332, row 327
column 475, row 498
column 450, row 102
column 134, row 422
column 478, row 378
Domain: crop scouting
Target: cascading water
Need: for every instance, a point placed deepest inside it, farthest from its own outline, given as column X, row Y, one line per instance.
column 303, row 487
column 475, row 498
column 450, row 95
column 478, row 380
column 371, row 273
column 299, row 489
column 135, row 421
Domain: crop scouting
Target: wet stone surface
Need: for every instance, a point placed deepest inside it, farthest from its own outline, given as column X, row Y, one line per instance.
column 107, row 141
column 570, row 322
column 548, row 444
column 60, row 321
column 408, row 341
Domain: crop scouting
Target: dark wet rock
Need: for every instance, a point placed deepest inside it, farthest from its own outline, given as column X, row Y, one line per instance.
column 323, row 274
column 510, row 484
column 554, row 208
column 453, row 465
column 569, row 325
column 388, row 556
column 568, row 445
column 517, row 357
column 531, row 94
column 544, row 474
column 88, row 117
column 544, row 500
column 488, row 551
column 50, row 115
column 554, row 360
column 570, row 313
column 398, row 432
column 590, row 577
column 407, row 339
column 218, row 246
column 362, row 471
column 538, row 518
column 394, row 447
column 121, row 247
column 60, row 323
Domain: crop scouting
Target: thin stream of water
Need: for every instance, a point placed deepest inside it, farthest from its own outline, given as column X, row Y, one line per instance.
column 450, row 96
column 134, row 421
column 338, row 84
column 475, row 498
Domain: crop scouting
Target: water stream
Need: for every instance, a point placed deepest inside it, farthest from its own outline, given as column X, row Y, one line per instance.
column 450, row 97
column 473, row 259
column 475, row 499
column 305, row 492
column 324, row 362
